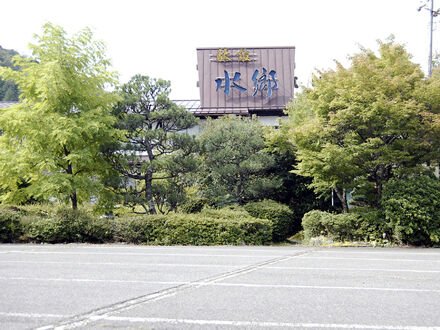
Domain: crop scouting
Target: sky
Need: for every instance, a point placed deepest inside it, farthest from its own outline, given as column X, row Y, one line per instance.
column 159, row 38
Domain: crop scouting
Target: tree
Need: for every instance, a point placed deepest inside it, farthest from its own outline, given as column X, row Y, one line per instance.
column 8, row 90
column 234, row 159
column 52, row 139
column 357, row 127
column 154, row 146
column 294, row 190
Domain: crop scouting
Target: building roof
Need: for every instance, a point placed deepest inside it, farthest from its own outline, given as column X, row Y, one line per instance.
column 6, row 104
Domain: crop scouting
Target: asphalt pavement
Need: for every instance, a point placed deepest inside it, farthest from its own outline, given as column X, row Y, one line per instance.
column 156, row 287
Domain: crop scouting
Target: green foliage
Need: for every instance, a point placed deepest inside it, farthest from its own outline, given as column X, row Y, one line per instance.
column 373, row 226
column 313, row 223
column 42, row 224
column 234, row 160
column 8, row 90
column 281, row 216
column 358, row 125
column 68, row 226
column 10, row 226
column 194, row 229
column 52, row 138
column 359, row 225
column 412, row 206
column 153, row 149
column 294, row 190
column 194, row 205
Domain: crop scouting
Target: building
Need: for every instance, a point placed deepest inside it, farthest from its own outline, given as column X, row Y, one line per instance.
column 244, row 81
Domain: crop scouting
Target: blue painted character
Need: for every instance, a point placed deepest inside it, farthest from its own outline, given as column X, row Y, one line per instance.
column 228, row 86
column 265, row 81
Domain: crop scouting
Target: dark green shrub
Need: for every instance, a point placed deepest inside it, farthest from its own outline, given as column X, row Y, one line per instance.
column 412, row 206
column 312, row 223
column 194, row 205
column 280, row 215
column 68, row 226
column 10, row 226
column 342, row 227
column 50, row 230
column 339, row 227
column 194, row 229
column 373, row 225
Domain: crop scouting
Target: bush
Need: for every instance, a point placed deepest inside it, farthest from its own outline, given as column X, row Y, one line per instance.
column 10, row 226
column 209, row 227
column 280, row 215
column 373, row 225
column 194, row 229
column 69, row 226
column 312, row 222
column 412, row 206
column 194, row 205
column 338, row 227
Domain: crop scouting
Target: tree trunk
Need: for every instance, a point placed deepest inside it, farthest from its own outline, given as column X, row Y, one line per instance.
column 149, row 191
column 342, row 196
column 74, row 199
column 239, row 190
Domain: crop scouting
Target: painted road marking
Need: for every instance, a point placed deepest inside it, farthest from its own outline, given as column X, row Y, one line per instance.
column 356, row 269
column 262, row 323
column 119, row 264
column 370, row 259
column 223, row 284
column 153, row 254
column 33, row 315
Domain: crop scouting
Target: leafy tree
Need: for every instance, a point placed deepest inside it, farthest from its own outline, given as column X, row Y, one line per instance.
column 294, row 190
column 153, row 147
column 235, row 161
column 51, row 140
column 8, row 90
column 359, row 126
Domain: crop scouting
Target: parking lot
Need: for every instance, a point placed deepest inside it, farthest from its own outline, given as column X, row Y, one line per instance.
column 152, row 287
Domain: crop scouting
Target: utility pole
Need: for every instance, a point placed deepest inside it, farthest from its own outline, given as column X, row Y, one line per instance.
column 432, row 13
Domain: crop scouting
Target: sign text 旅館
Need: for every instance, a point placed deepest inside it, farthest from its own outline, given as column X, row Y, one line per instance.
column 261, row 79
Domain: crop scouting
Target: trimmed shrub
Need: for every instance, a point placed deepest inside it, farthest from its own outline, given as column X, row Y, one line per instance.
column 373, row 225
column 193, row 229
column 10, row 226
column 412, row 206
column 194, row 205
column 69, row 226
column 338, row 227
column 312, row 223
column 342, row 227
column 280, row 215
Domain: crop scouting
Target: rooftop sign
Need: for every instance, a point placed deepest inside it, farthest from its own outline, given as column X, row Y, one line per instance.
column 246, row 78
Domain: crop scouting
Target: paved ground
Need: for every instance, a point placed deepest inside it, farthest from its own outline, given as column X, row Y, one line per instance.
column 137, row 287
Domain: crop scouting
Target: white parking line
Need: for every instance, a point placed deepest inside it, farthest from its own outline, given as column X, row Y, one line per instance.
column 120, row 264
column 262, row 323
column 388, row 270
column 91, row 280
column 152, row 254
column 409, row 252
column 370, row 259
column 221, row 284
column 320, row 287
column 33, row 315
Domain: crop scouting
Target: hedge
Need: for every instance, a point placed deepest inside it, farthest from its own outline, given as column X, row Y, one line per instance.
column 187, row 229
column 281, row 216
column 10, row 226
column 210, row 227
column 360, row 225
column 412, row 207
